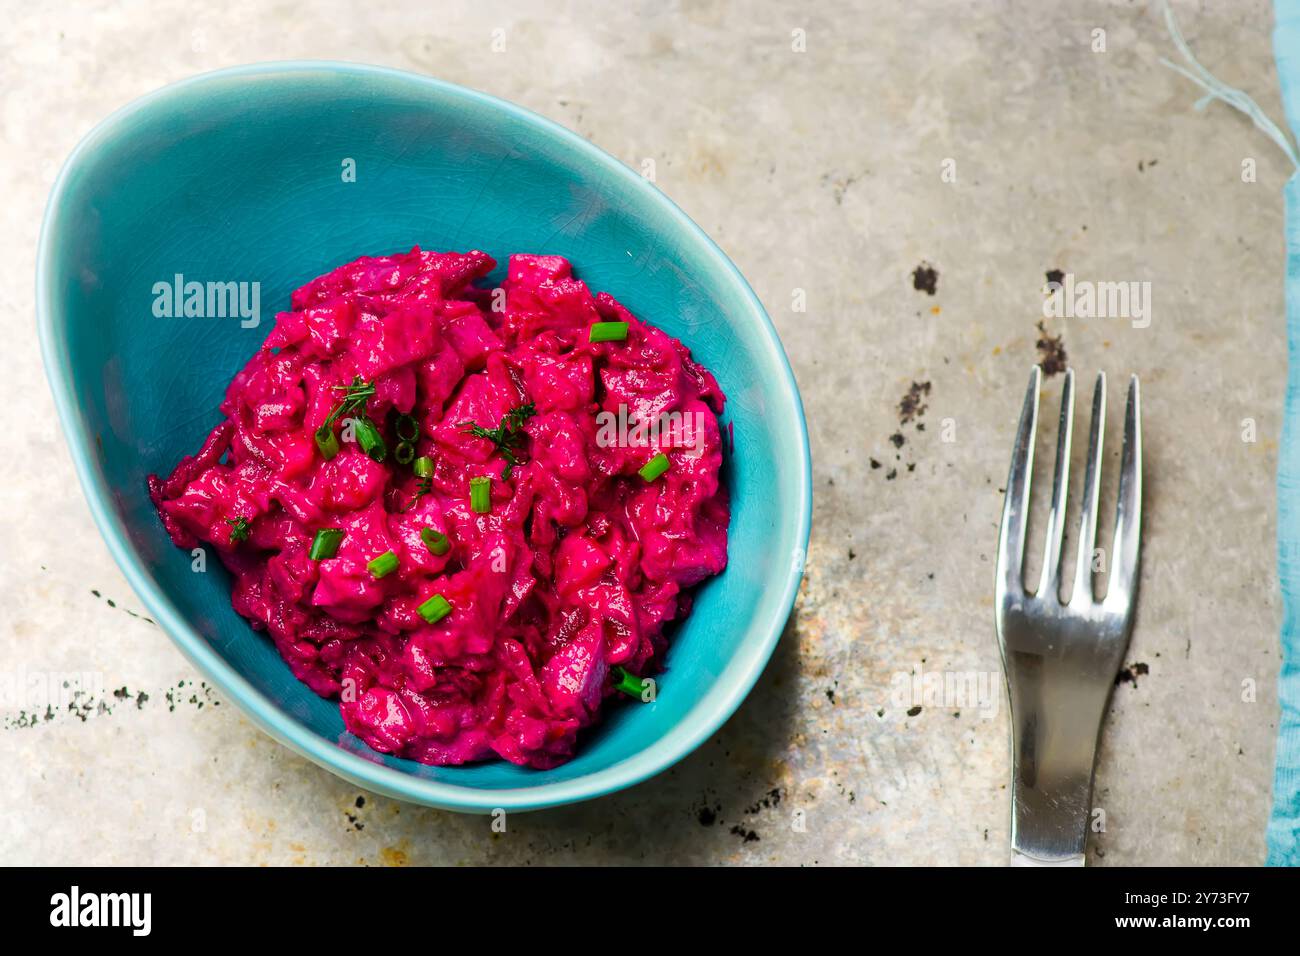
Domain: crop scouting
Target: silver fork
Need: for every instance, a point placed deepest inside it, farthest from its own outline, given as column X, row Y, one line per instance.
column 1061, row 658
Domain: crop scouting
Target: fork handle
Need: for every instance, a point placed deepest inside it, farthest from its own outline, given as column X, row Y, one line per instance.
column 1053, row 764
column 1024, row 859
column 1049, row 827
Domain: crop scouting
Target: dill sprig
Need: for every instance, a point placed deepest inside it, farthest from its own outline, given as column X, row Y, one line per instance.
column 352, row 405
column 354, row 399
column 422, row 488
column 507, row 435
column 239, row 529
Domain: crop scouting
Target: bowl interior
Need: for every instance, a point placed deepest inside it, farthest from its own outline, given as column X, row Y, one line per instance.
column 242, row 176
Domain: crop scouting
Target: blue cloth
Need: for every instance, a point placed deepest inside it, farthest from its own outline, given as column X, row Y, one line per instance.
column 1284, row 823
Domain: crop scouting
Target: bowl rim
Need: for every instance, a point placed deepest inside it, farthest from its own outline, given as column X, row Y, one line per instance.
column 677, row 743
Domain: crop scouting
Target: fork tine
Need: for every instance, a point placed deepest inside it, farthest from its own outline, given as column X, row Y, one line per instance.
column 1049, row 583
column 1015, row 505
column 1128, row 517
column 1082, row 594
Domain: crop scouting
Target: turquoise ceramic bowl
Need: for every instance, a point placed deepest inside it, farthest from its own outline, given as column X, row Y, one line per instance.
column 238, row 176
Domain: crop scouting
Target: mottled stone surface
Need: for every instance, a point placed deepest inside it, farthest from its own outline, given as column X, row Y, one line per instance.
column 817, row 171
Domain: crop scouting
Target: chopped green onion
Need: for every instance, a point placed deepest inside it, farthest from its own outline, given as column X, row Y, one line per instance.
column 238, row 529
column 384, row 565
column 326, row 543
column 629, row 684
column 434, row 609
column 407, row 428
column 327, row 441
column 655, row 467
column 608, row 332
column 404, row 452
column 480, row 494
column 423, row 467
column 368, row 437
column 437, row 542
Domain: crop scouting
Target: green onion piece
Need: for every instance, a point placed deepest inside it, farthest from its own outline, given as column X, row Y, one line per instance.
column 238, row 529
column 434, row 609
column 368, row 437
column 423, row 467
column 437, row 542
column 326, row 543
column 404, row 452
column 327, row 441
column 384, row 565
column 480, row 494
column 655, row 467
column 608, row 332
column 629, row 684
column 407, row 428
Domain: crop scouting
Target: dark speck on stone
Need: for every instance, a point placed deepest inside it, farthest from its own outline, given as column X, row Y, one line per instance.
column 1051, row 352
column 1056, row 275
column 1130, row 674
column 769, row 800
column 361, row 802
column 707, row 817
column 912, row 405
column 749, row 836
column 925, row 278
column 874, row 464
column 891, row 474
column 897, row 439
column 913, row 711
column 852, row 554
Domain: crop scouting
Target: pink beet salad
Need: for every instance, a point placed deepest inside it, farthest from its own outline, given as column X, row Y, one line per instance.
column 467, row 513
